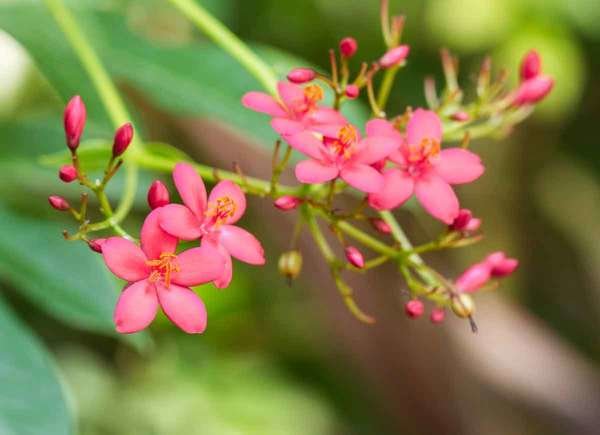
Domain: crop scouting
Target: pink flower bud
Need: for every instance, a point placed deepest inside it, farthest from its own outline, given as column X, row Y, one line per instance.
column 301, row 75
column 531, row 65
column 473, row 225
column 533, row 90
column 394, row 56
column 380, row 225
column 414, row 308
column 352, row 91
column 462, row 220
column 348, row 47
column 74, row 121
column 460, row 116
column 500, row 265
column 437, row 315
column 287, row 202
column 67, row 173
column 474, row 277
column 96, row 245
column 354, row 257
column 58, row 203
column 158, row 195
column 123, row 137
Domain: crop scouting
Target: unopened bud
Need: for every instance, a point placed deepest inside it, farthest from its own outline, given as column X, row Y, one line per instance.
column 158, row 195
column 531, row 65
column 501, row 265
column 123, row 137
column 67, row 173
column 460, row 116
column 348, row 47
column 352, row 91
column 290, row 264
column 354, row 257
column 301, row 75
column 463, row 305
column 96, row 245
column 414, row 308
column 380, row 225
column 533, row 90
column 287, row 202
column 74, row 121
column 473, row 225
column 394, row 56
column 437, row 315
column 461, row 221
column 59, row 203
column 474, row 277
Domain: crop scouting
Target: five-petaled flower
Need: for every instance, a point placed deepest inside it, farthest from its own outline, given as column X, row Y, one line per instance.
column 157, row 276
column 211, row 219
column 340, row 151
column 297, row 108
column 426, row 170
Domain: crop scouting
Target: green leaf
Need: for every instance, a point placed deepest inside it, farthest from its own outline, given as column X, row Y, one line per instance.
column 32, row 401
column 64, row 278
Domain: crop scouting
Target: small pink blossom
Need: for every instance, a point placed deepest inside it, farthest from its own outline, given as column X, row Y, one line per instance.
column 380, row 225
column 301, row 75
column 531, row 65
column 474, row 277
column 287, row 202
column 348, row 47
column 211, row 219
column 352, row 91
column 465, row 222
column 437, row 315
column 74, row 121
column 339, row 151
column 158, row 195
column 414, row 308
column 123, row 137
column 67, row 173
column 534, row 84
column 96, row 245
column 59, row 203
column 354, row 257
column 426, row 170
column 296, row 110
column 394, row 56
column 157, row 276
column 501, row 266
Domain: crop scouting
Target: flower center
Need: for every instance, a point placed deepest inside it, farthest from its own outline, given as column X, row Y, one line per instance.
column 221, row 210
column 313, row 94
column 163, row 267
column 343, row 145
column 420, row 156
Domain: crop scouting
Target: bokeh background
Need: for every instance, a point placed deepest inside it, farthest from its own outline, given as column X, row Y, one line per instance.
column 291, row 360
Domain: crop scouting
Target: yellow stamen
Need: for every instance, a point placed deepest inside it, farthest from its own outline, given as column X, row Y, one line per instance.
column 163, row 267
column 313, row 93
column 221, row 209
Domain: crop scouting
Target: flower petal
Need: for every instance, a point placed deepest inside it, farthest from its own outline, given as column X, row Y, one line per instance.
column 362, row 177
column 376, row 148
column 125, row 259
column 136, row 307
column 457, row 166
column 325, row 115
column 290, row 93
column 198, row 266
column 183, row 307
column 381, row 127
column 190, row 187
column 242, row 245
column 285, row 126
column 437, row 197
column 313, row 171
column 225, row 279
column 423, row 124
column 263, row 103
column 228, row 189
column 398, row 186
column 180, row 222
column 155, row 240
column 307, row 143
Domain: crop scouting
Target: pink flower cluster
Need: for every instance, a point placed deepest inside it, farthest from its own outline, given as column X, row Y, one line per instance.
column 159, row 276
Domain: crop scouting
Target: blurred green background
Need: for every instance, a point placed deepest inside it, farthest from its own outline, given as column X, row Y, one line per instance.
column 291, row 360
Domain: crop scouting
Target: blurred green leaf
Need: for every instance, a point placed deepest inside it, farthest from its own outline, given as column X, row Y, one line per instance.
column 32, row 401
column 65, row 279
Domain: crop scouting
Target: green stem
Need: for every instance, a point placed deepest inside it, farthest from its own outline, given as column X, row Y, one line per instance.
column 386, row 87
column 110, row 98
column 229, row 42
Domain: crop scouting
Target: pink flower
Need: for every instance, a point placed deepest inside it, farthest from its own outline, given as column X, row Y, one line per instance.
column 354, row 257
column 352, row 91
column 67, row 173
column 426, row 170
column 211, row 219
column 297, row 108
column 340, row 151
column 157, row 276
column 348, row 47
column 301, row 75
column 465, row 222
column 158, row 195
column 500, row 264
column 123, row 137
column 394, row 56
column 474, row 277
column 531, row 65
column 414, row 308
column 534, row 85
column 74, row 121
column 287, row 202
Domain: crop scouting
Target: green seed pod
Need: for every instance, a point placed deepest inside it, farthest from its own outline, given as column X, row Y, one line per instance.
column 463, row 305
column 290, row 264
